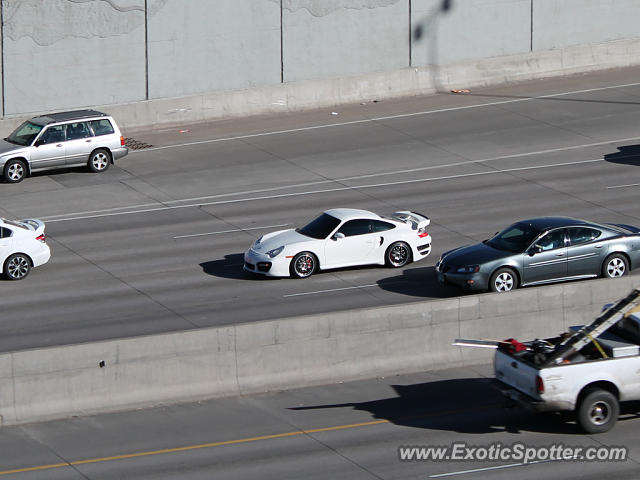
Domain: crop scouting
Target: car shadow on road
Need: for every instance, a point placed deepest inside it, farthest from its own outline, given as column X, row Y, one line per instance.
column 231, row 267
column 419, row 282
column 626, row 155
column 465, row 405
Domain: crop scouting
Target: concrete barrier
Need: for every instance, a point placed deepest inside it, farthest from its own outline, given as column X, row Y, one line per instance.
column 113, row 375
column 308, row 94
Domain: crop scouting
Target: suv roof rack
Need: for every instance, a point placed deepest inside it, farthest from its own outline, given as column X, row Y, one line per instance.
column 66, row 116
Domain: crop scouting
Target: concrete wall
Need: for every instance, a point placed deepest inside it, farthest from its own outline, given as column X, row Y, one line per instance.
column 204, row 59
column 62, row 381
column 198, row 46
column 469, row 30
column 562, row 23
column 336, row 38
column 60, row 55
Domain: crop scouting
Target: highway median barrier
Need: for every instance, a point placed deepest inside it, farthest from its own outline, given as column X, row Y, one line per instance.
column 57, row 382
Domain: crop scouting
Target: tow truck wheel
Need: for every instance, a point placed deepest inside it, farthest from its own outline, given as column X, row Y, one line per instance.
column 598, row 411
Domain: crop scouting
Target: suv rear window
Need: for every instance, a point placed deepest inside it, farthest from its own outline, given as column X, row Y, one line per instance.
column 101, row 127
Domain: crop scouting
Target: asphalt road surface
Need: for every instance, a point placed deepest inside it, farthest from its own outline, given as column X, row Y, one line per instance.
column 350, row 431
column 155, row 243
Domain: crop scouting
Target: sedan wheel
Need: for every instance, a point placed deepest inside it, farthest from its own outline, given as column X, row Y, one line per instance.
column 615, row 266
column 303, row 265
column 17, row 266
column 503, row 280
column 398, row 255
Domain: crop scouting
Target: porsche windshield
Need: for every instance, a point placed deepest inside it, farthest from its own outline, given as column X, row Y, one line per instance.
column 321, row 227
column 516, row 238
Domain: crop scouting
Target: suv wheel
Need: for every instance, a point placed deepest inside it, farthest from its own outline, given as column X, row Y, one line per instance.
column 99, row 160
column 14, row 171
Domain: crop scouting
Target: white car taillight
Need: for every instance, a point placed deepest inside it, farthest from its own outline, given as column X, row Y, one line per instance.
column 41, row 238
column 422, row 233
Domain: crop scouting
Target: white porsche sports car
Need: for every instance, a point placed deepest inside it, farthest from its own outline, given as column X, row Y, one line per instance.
column 22, row 246
column 341, row 237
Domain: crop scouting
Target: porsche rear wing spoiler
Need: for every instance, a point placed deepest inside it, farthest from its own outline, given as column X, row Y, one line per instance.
column 417, row 220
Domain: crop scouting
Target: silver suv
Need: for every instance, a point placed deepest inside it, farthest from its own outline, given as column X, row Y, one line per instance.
column 60, row 140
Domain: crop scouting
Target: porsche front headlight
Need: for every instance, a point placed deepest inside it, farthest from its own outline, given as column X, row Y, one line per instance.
column 275, row 252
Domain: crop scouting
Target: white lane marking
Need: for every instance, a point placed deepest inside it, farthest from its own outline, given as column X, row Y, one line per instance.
column 388, row 117
column 329, row 290
column 66, row 216
column 496, row 467
column 52, row 218
column 408, row 170
column 337, row 289
column 625, row 186
column 231, row 231
column 327, row 190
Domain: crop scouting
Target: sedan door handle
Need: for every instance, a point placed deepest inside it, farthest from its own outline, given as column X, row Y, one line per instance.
column 559, row 254
column 59, row 145
column 88, row 141
column 598, row 246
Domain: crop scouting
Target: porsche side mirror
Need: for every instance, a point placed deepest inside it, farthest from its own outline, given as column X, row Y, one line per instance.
column 337, row 236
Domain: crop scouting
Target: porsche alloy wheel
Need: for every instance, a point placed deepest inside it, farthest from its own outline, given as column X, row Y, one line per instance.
column 398, row 255
column 303, row 265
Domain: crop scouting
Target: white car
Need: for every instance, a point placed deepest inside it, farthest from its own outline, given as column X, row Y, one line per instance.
column 22, row 246
column 341, row 237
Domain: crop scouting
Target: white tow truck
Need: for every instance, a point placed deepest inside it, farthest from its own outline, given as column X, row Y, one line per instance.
column 588, row 370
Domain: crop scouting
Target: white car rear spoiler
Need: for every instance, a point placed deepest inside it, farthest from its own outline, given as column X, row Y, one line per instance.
column 417, row 220
column 33, row 224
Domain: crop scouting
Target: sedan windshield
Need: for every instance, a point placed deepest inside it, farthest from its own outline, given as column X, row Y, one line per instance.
column 516, row 238
column 321, row 227
column 24, row 134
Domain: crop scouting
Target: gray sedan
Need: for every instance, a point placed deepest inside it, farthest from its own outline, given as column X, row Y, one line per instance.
column 542, row 250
